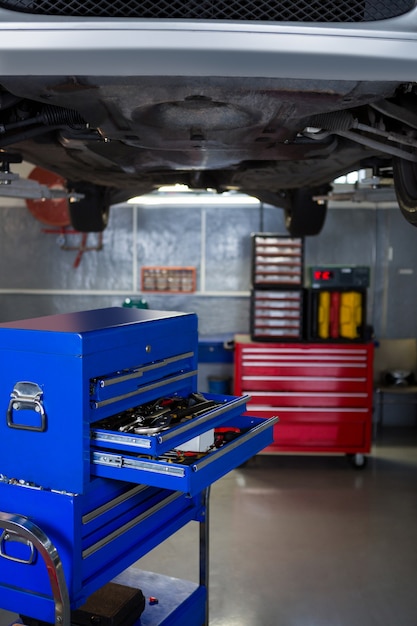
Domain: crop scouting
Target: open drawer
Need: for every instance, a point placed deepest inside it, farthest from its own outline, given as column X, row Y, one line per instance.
column 120, row 433
column 189, row 472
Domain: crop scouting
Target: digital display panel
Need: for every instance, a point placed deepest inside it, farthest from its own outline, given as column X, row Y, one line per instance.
column 323, row 275
column 343, row 277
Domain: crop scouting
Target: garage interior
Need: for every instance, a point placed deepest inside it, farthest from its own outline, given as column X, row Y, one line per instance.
column 295, row 539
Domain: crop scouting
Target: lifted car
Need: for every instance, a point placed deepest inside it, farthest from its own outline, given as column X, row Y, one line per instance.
column 273, row 98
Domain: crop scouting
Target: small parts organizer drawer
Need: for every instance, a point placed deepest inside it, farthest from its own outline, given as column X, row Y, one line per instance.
column 277, row 261
column 276, row 315
column 104, row 530
column 125, row 448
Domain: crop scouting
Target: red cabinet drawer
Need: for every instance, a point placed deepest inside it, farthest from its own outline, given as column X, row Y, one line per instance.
column 332, row 437
column 304, row 351
column 313, row 370
column 253, row 383
column 311, row 414
column 309, row 398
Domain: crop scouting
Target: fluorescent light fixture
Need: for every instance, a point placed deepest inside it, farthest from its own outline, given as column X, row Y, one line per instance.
column 183, row 195
column 351, row 178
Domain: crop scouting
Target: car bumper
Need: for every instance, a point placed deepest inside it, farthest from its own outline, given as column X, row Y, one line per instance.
column 376, row 51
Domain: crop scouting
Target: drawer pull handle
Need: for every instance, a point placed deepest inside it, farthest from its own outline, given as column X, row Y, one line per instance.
column 26, row 396
column 132, row 394
column 7, row 537
column 22, row 527
column 137, row 373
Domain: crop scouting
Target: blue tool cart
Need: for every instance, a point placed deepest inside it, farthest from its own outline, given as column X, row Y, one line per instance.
column 106, row 449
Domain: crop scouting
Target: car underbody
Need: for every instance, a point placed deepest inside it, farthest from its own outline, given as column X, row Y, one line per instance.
column 274, row 110
column 264, row 137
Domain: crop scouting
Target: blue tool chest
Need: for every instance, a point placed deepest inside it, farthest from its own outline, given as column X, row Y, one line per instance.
column 83, row 367
column 98, row 407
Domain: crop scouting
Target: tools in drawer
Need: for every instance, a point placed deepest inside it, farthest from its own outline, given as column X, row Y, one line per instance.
column 168, row 455
column 167, row 423
column 188, row 472
column 153, row 417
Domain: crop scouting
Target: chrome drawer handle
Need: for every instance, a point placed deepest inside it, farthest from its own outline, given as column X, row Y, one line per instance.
column 137, row 373
column 20, row 526
column 11, row 537
column 26, row 396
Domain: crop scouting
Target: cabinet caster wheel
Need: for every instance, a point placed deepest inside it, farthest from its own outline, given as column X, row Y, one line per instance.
column 358, row 460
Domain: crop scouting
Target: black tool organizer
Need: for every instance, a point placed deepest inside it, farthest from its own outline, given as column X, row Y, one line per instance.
column 277, row 295
column 331, row 309
column 336, row 304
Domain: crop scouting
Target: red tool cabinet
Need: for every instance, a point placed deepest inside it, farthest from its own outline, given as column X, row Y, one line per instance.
column 321, row 393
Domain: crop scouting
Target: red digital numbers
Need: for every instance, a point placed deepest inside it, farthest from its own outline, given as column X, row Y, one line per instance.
column 323, row 275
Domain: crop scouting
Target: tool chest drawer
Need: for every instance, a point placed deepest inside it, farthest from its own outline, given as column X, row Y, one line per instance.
column 97, row 535
column 161, row 425
column 301, row 428
column 131, row 385
column 310, row 362
column 321, row 399
column 190, row 472
column 334, row 437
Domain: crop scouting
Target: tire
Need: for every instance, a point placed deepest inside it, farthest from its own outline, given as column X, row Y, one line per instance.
column 305, row 217
column 405, row 182
column 91, row 213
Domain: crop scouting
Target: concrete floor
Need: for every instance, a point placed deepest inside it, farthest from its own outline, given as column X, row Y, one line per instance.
column 308, row 541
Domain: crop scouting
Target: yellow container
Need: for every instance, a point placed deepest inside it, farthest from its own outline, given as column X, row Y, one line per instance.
column 351, row 314
column 323, row 322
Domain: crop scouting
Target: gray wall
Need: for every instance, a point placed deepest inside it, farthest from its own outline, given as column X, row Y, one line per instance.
column 37, row 277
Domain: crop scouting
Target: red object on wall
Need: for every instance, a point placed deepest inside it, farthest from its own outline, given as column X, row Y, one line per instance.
column 321, row 393
column 52, row 212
